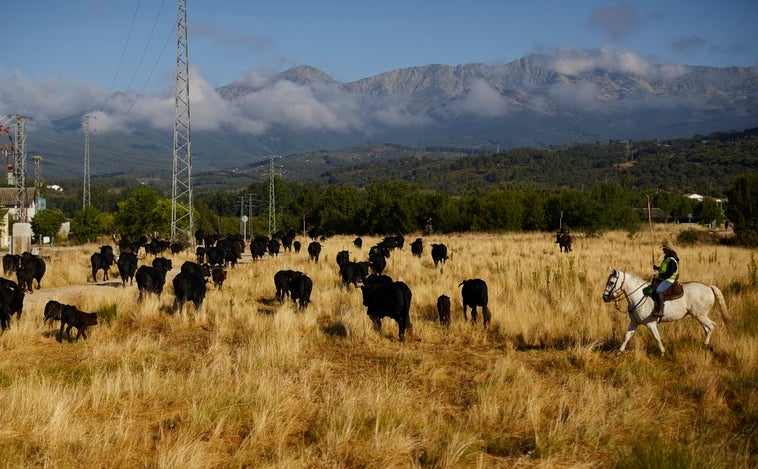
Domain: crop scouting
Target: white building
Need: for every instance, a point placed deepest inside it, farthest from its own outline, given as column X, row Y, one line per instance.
column 8, row 208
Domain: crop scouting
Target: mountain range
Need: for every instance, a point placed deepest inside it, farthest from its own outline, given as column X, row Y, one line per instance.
column 535, row 101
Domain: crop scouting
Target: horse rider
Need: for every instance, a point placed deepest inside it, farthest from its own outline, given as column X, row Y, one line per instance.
column 667, row 272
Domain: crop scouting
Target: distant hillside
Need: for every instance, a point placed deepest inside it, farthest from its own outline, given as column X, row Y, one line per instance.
column 532, row 102
column 705, row 164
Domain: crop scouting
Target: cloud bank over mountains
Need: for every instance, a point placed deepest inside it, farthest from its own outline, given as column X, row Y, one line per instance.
column 321, row 106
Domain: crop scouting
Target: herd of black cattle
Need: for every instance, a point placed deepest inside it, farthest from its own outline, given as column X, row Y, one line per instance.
column 382, row 296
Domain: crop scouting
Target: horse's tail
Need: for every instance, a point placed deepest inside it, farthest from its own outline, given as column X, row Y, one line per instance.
column 722, row 306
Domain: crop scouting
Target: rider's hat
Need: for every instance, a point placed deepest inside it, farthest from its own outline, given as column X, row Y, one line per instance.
column 668, row 247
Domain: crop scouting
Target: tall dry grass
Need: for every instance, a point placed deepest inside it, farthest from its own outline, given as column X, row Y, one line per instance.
column 247, row 382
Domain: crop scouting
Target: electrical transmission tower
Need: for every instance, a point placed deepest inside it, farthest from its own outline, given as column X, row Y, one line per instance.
column 19, row 167
column 271, row 197
column 86, row 190
column 181, row 188
column 37, row 172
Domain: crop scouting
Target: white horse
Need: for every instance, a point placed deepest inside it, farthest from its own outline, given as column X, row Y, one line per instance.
column 698, row 300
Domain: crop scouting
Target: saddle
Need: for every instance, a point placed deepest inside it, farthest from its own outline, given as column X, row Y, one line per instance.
column 674, row 292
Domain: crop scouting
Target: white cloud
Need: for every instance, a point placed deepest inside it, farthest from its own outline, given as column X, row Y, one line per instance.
column 578, row 61
column 482, row 100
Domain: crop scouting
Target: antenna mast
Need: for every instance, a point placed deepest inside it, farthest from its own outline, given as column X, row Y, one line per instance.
column 182, row 223
column 86, row 190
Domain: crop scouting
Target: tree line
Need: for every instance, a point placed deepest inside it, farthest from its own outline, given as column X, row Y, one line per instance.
column 387, row 206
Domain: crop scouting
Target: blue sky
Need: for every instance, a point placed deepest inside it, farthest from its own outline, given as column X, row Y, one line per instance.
column 66, row 56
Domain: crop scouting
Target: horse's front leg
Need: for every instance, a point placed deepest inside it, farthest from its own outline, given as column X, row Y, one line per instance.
column 654, row 329
column 629, row 333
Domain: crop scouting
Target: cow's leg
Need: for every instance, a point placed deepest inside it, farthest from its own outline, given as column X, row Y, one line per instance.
column 83, row 332
column 401, row 328
column 465, row 316
column 377, row 323
column 486, row 316
column 60, row 332
column 474, row 314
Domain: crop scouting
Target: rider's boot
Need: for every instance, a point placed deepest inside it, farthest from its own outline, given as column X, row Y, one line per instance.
column 658, row 310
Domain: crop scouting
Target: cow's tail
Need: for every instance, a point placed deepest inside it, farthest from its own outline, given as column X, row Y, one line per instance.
column 725, row 315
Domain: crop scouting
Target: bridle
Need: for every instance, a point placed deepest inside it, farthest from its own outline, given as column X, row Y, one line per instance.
column 618, row 294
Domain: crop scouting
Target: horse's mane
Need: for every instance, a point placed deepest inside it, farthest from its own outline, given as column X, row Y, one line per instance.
column 633, row 276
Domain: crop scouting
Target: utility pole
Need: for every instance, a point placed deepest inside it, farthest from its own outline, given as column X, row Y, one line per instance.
column 182, row 223
column 86, row 186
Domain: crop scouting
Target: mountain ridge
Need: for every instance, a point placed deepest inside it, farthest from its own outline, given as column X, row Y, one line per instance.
column 533, row 101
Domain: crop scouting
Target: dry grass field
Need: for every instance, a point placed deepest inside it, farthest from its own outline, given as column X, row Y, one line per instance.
column 247, row 382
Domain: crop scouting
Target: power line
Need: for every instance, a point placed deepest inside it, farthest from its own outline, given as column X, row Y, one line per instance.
column 123, row 52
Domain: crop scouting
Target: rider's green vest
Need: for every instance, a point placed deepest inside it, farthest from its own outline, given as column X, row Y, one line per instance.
column 664, row 267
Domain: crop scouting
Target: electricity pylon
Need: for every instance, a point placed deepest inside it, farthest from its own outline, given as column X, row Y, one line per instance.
column 182, row 223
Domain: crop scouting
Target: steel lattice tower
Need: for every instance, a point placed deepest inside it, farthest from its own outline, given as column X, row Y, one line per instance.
column 181, row 188
column 271, row 199
column 86, row 185
column 19, row 168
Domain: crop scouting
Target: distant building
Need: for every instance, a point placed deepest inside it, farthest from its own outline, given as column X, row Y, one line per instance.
column 8, row 208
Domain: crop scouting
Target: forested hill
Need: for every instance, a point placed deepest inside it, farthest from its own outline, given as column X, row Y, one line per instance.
column 703, row 164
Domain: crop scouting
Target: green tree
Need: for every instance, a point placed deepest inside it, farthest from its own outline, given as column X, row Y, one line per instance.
column 143, row 212
column 87, row 224
column 742, row 209
column 47, row 223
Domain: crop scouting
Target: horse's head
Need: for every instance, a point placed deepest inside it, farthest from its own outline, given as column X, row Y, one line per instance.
column 613, row 286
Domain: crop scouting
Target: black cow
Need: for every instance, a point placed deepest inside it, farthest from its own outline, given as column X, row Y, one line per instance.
column 273, row 247
column 194, row 268
column 188, row 287
column 176, row 248
column 474, row 294
column 314, row 250
column 439, row 253
column 296, row 245
column 282, row 281
column 34, row 268
column 377, row 261
column 375, row 278
column 417, row 247
column 150, row 280
column 127, row 267
column 342, row 258
column 163, row 263
column 11, row 262
column 11, row 301
column 287, row 240
column 300, row 290
column 215, row 255
column 358, row 242
column 53, row 311
column 25, row 279
column 200, row 254
column 102, row 260
column 443, row 309
column 219, row 276
column 352, row 272
column 259, row 246
column 388, row 299
column 72, row 317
